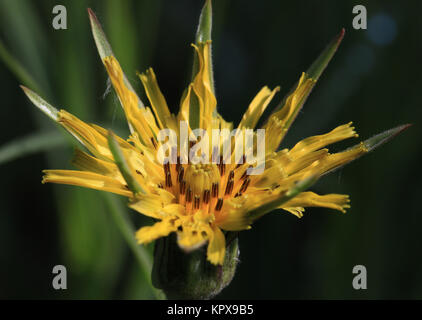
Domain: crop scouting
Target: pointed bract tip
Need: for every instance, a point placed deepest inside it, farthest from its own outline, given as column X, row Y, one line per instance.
column 23, row 87
column 93, row 19
column 384, row 137
column 40, row 103
column 340, row 36
column 103, row 46
column 203, row 32
column 324, row 58
column 91, row 13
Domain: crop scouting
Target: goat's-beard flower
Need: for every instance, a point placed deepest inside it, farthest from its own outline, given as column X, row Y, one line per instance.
column 202, row 202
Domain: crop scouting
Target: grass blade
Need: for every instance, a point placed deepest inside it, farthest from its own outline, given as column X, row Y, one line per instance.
column 30, row 144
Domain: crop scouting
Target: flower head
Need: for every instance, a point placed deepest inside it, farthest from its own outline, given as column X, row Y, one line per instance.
column 201, row 200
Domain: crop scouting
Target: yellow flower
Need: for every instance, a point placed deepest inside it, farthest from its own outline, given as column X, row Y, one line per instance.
column 199, row 202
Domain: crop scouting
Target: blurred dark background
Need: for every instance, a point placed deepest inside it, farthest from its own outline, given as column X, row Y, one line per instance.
column 374, row 80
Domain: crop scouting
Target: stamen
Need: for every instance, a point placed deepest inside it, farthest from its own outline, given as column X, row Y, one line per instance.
column 219, row 204
column 245, row 174
column 154, row 143
column 180, row 175
column 231, row 175
column 189, row 196
column 245, row 185
column 197, row 201
column 229, row 187
column 166, row 167
column 222, row 166
column 214, row 190
column 222, row 169
column 207, row 195
column 178, row 164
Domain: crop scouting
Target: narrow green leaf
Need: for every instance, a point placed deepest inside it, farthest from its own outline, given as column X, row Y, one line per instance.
column 31, row 144
column 121, row 163
column 41, row 104
column 203, row 32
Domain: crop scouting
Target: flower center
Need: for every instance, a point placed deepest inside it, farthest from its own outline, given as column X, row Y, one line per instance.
column 205, row 186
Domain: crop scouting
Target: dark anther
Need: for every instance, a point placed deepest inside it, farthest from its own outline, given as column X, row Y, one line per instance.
column 180, row 175
column 219, row 205
column 214, row 190
column 189, row 196
column 197, row 201
column 245, row 174
column 154, row 143
column 229, row 187
column 207, row 195
column 231, row 175
column 178, row 164
column 245, row 185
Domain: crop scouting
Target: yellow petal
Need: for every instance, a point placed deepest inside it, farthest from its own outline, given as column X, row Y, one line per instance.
column 257, row 107
column 185, row 105
column 140, row 118
column 86, row 179
column 280, row 121
column 233, row 216
column 158, row 230
column 339, row 159
column 297, row 211
column 305, row 161
column 310, row 199
column 191, row 238
column 216, row 246
column 269, row 177
column 156, row 207
column 86, row 162
column 317, row 142
column 202, row 85
column 156, row 98
column 86, row 134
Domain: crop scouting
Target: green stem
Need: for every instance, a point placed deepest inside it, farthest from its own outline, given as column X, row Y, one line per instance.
column 142, row 256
